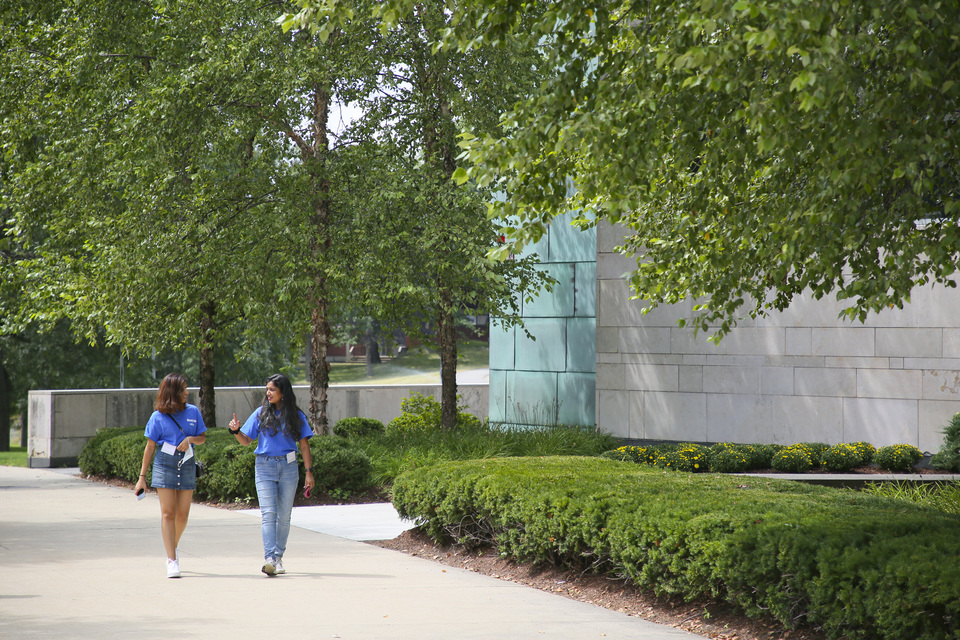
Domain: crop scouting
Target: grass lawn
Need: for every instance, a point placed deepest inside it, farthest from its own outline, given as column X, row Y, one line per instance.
column 420, row 366
column 16, row 457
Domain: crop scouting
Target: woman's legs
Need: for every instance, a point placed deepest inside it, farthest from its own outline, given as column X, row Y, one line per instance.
column 276, row 486
column 268, row 482
column 174, row 511
column 168, row 521
column 287, row 489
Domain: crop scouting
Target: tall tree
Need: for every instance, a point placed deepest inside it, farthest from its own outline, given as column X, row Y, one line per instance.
column 429, row 237
column 179, row 196
column 756, row 149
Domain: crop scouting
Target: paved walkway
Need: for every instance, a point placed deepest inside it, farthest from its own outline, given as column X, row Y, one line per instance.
column 80, row 559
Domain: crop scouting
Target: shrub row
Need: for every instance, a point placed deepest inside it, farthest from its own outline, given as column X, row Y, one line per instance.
column 338, row 465
column 729, row 457
column 857, row 565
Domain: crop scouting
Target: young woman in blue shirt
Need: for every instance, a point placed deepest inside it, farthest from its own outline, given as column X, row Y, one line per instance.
column 278, row 428
column 172, row 431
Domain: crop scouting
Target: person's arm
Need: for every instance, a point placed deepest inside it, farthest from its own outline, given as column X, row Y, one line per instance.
column 193, row 440
column 308, row 481
column 187, row 441
column 148, row 452
column 241, row 437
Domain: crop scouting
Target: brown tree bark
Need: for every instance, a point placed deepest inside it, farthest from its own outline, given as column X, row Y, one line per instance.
column 448, row 362
column 320, row 246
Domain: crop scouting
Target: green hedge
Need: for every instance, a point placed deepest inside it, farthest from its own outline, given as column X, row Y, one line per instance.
column 338, row 465
column 860, row 566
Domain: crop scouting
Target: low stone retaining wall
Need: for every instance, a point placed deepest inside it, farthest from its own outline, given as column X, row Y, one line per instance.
column 61, row 422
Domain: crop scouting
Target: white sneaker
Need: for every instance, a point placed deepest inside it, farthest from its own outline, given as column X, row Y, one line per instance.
column 173, row 568
column 269, row 566
column 278, row 564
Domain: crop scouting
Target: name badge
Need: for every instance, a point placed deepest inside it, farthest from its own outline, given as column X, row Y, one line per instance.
column 292, row 457
column 169, row 449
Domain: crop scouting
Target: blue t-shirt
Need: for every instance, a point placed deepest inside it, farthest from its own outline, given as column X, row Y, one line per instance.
column 161, row 427
column 278, row 444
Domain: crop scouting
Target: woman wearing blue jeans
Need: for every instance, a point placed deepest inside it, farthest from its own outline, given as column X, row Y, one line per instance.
column 278, row 427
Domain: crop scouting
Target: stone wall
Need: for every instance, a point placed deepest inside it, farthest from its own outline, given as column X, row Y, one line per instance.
column 800, row 375
column 61, row 422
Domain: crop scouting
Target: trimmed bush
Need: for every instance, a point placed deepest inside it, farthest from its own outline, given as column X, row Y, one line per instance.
column 111, row 452
column 841, row 457
column 230, row 467
column 815, row 449
column 796, row 458
column 339, row 465
column 859, row 566
column 897, row 457
column 727, row 457
column 638, row 455
column 684, row 457
column 358, row 427
column 866, row 451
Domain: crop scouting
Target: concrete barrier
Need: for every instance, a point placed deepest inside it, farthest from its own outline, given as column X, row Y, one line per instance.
column 61, row 422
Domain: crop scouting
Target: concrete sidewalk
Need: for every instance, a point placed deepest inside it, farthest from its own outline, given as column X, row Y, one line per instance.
column 80, row 559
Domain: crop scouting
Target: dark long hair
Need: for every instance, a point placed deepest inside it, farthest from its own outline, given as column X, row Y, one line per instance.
column 289, row 419
column 170, row 394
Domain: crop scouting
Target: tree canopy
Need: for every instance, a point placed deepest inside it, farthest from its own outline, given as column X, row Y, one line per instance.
column 754, row 149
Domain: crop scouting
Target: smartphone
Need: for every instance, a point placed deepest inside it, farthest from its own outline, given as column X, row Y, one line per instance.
column 141, row 494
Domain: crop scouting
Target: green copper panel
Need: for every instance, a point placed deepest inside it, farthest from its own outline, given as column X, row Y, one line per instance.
column 501, row 346
column 547, row 352
column 556, row 303
column 498, row 395
column 577, row 393
column 551, row 380
column 581, row 345
column 531, row 398
column 585, row 279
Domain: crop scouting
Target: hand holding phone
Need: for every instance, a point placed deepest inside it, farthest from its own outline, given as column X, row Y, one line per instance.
column 141, row 494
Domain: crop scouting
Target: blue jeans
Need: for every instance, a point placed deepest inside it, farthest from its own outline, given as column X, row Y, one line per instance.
column 276, row 486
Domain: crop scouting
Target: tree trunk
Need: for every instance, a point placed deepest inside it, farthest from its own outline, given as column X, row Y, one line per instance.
column 319, row 367
column 319, row 248
column 448, row 362
column 208, row 402
column 5, row 394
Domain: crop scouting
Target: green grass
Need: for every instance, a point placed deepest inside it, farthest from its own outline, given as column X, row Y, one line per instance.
column 16, row 457
column 941, row 496
column 419, row 366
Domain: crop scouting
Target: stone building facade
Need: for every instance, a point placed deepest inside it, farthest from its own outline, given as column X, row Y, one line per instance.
column 801, row 375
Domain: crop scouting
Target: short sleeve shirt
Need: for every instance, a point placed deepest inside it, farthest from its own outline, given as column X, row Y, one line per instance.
column 278, row 444
column 161, row 427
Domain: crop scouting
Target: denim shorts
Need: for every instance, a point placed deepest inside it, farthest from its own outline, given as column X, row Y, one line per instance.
column 172, row 472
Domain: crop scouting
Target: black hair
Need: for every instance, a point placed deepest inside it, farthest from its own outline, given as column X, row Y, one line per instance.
column 289, row 418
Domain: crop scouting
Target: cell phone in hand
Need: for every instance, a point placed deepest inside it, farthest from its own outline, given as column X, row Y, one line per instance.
column 141, row 494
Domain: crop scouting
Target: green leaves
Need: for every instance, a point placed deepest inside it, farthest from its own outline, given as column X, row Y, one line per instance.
column 807, row 138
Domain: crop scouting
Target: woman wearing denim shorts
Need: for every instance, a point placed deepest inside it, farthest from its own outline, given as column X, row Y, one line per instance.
column 172, row 431
column 278, row 427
